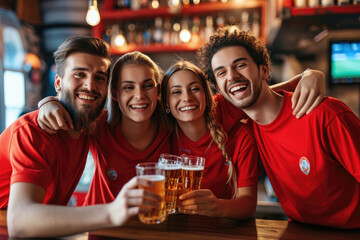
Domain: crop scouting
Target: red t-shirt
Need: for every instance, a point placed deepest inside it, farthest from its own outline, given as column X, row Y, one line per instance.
column 240, row 146
column 313, row 163
column 115, row 160
column 28, row 154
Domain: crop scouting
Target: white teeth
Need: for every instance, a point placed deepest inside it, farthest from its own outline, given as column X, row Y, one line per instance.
column 86, row 97
column 140, row 106
column 234, row 89
column 188, row 108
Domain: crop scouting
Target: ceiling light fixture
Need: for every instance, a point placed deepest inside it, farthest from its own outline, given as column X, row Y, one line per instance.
column 92, row 15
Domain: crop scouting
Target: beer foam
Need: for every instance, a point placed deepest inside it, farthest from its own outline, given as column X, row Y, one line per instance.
column 193, row 168
column 171, row 167
column 154, row 178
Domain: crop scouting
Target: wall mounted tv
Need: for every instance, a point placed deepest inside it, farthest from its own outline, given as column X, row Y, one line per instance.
column 344, row 61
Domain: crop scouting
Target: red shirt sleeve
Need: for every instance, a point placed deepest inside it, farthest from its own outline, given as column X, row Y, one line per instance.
column 29, row 162
column 343, row 141
column 227, row 114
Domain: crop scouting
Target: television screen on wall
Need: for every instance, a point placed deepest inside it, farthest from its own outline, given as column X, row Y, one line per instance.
column 344, row 62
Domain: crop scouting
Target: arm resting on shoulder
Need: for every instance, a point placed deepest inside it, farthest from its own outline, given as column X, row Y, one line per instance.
column 53, row 116
column 309, row 91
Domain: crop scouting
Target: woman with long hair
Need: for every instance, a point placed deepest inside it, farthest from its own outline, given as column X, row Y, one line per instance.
column 229, row 184
column 133, row 134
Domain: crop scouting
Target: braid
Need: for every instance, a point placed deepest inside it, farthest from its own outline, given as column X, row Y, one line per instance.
column 217, row 133
column 219, row 137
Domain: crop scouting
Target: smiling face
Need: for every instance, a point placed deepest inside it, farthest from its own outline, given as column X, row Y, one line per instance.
column 83, row 88
column 137, row 93
column 186, row 97
column 238, row 78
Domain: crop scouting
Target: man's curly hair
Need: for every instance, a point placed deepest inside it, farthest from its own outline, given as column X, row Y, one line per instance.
column 227, row 37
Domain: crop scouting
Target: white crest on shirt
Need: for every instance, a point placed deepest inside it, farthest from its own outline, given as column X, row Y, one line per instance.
column 304, row 165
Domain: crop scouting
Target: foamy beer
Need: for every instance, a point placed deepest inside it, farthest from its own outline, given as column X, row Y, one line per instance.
column 192, row 172
column 152, row 172
column 172, row 165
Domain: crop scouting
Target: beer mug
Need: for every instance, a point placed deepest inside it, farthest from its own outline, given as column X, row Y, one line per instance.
column 152, row 172
column 192, row 172
column 172, row 165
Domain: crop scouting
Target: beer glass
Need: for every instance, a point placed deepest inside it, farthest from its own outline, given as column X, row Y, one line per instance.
column 192, row 171
column 172, row 165
column 152, row 172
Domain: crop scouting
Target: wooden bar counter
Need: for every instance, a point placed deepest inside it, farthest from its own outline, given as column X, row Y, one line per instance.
column 186, row 227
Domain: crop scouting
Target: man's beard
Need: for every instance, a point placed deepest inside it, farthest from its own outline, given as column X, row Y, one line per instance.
column 82, row 120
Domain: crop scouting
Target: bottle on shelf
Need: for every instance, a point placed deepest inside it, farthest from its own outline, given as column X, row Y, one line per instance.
column 343, row 2
column 134, row 5
column 209, row 29
column 327, row 3
column 220, row 20
column 231, row 20
column 300, row 3
column 107, row 34
column 114, row 33
column 255, row 27
column 195, row 37
column 167, row 32
column 202, row 33
column 144, row 4
column 244, row 24
column 131, row 34
column 147, row 34
column 121, row 4
column 139, row 39
column 174, row 6
column 158, row 31
column 314, row 3
column 186, row 3
column 175, row 34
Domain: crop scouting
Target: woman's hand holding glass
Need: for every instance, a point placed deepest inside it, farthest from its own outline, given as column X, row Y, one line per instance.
column 202, row 201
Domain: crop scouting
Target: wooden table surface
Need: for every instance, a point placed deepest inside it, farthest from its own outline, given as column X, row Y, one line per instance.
column 186, row 227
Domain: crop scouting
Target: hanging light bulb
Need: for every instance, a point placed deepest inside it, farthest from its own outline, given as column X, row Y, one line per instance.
column 92, row 15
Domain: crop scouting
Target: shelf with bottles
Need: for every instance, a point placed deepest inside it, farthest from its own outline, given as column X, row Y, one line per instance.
column 161, row 29
column 321, row 7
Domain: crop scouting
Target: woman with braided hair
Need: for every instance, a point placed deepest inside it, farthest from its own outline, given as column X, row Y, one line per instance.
column 229, row 184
